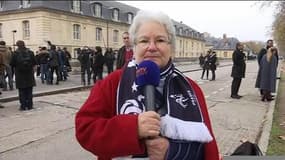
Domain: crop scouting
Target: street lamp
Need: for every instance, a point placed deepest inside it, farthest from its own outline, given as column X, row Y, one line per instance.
column 14, row 31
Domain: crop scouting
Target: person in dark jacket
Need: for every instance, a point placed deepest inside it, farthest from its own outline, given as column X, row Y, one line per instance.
column 125, row 53
column 109, row 59
column 97, row 64
column 212, row 64
column 43, row 61
column 84, row 58
column 62, row 64
column 206, row 66
column 263, row 52
column 268, row 72
column 238, row 70
column 201, row 60
column 68, row 58
column 24, row 62
column 54, row 64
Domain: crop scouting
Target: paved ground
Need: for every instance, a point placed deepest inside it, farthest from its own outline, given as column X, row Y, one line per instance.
column 48, row 131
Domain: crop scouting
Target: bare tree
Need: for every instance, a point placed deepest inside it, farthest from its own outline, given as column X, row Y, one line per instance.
column 278, row 25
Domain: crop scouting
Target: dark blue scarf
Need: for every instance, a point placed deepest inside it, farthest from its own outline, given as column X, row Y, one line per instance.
column 176, row 102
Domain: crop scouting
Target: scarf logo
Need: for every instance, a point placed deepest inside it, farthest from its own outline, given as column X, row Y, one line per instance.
column 193, row 101
column 132, row 106
column 180, row 99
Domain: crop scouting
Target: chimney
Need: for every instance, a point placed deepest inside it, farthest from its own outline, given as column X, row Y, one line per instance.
column 224, row 36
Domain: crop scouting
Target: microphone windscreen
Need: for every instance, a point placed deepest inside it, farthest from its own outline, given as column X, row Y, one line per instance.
column 148, row 73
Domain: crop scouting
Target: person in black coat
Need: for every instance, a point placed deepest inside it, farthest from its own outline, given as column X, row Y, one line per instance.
column 84, row 56
column 53, row 64
column 238, row 70
column 206, row 66
column 24, row 62
column 212, row 59
column 109, row 59
column 97, row 65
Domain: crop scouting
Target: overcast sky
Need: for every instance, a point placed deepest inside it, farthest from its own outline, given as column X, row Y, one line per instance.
column 244, row 20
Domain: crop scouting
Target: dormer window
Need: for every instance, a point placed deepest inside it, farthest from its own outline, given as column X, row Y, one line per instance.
column 186, row 32
column 97, row 10
column 180, row 31
column 115, row 14
column 76, row 6
column 130, row 18
column 25, row 3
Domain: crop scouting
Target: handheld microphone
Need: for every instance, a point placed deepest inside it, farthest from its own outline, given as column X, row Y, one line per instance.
column 147, row 78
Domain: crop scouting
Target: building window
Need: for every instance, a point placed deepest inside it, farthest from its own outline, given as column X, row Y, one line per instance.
column 25, row 3
column 115, row 14
column 76, row 6
column 130, row 18
column 98, row 34
column 225, row 54
column 115, row 36
column 26, row 29
column 97, row 9
column 181, row 48
column 76, row 31
column 1, row 36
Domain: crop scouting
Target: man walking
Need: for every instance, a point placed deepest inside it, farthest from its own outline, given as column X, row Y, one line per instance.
column 24, row 61
column 125, row 53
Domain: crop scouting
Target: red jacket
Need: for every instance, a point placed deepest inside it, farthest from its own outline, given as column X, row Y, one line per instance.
column 107, row 135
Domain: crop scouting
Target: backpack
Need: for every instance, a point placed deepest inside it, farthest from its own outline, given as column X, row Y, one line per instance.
column 248, row 148
column 25, row 61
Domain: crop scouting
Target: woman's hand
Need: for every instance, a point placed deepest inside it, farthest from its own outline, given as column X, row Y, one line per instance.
column 157, row 148
column 148, row 124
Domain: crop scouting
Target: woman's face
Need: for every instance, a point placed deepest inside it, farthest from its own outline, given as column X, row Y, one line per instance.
column 152, row 43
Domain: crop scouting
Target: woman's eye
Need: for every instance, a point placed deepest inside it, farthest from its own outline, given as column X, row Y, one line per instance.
column 143, row 41
column 161, row 40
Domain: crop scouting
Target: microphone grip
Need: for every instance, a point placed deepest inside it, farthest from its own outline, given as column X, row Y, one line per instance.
column 149, row 93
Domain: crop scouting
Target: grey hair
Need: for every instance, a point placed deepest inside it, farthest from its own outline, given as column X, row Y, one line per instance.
column 143, row 16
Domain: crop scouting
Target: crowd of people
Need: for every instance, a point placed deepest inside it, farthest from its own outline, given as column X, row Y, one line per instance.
column 52, row 65
column 92, row 61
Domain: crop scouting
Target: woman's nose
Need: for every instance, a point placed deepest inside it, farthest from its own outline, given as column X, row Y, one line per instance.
column 152, row 45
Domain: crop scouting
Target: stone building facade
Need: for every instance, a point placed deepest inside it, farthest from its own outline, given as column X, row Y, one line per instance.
column 77, row 23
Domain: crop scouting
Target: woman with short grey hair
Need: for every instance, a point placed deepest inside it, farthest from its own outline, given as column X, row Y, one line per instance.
column 149, row 108
column 146, row 16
